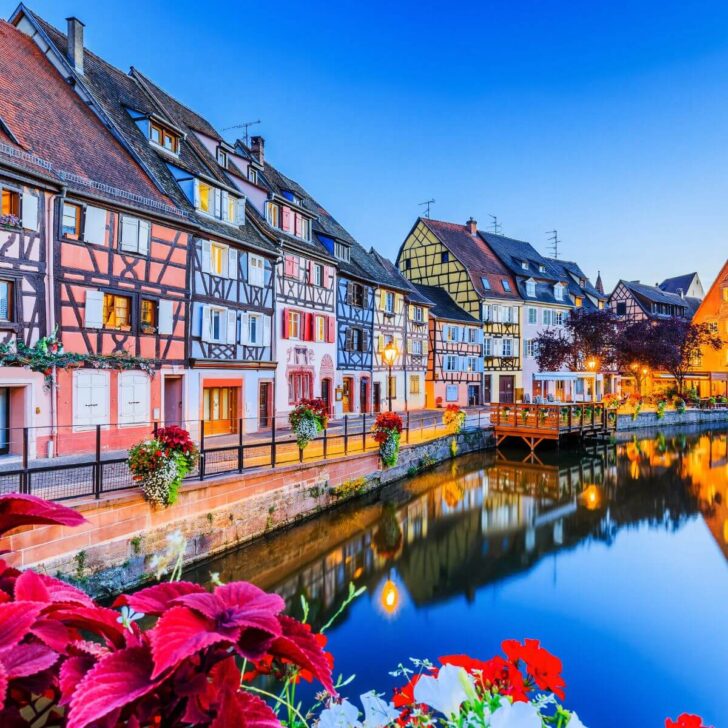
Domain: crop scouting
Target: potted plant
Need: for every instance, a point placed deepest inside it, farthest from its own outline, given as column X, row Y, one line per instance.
column 387, row 430
column 11, row 222
column 453, row 418
column 307, row 419
column 160, row 465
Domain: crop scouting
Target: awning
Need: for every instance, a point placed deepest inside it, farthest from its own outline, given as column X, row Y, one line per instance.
column 564, row 376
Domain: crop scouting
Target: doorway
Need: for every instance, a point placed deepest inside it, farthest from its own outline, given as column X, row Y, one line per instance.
column 326, row 394
column 506, row 384
column 364, row 395
column 487, row 394
column 4, row 420
column 173, row 401
column 473, row 395
column 219, row 410
column 377, row 396
column 347, row 395
column 265, row 402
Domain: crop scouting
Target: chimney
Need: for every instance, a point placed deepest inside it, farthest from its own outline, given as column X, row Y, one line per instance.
column 75, row 43
column 472, row 224
column 257, row 148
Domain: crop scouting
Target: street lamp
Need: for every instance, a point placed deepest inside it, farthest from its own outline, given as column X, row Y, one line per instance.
column 390, row 355
column 591, row 365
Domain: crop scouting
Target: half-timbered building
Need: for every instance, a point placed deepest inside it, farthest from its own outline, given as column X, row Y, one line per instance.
column 457, row 258
column 635, row 301
column 582, row 292
column 455, row 352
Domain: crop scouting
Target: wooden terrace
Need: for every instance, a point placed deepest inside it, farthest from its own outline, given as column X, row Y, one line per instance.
column 534, row 423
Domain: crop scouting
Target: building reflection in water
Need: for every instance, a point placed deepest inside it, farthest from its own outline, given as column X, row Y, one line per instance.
column 482, row 518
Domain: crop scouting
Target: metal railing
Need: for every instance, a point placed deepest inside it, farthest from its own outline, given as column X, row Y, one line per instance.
column 225, row 448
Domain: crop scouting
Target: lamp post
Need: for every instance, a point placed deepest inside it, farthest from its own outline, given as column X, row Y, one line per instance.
column 390, row 355
column 592, row 367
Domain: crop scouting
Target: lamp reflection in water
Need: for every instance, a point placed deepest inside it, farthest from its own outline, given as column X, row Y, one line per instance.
column 390, row 595
column 592, row 497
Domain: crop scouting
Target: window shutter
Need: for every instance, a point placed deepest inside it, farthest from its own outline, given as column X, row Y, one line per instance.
column 266, row 330
column 286, row 327
column 382, row 299
column 232, row 264
column 328, row 276
column 349, row 293
column 206, row 246
column 365, row 341
column 196, row 327
column 479, row 336
column 232, row 327
column 240, row 211
column 246, row 266
column 29, row 212
column 286, row 222
column 217, row 206
column 244, row 328
column 330, row 329
column 94, row 309
column 380, row 343
column 166, row 321
column 94, row 225
column 196, row 194
column 290, row 267
column 398, row 302
column 463, row 363
column 205, row 332
column 424, row 347
column 129, row 232
column 410, row 346
column 145, row 230
column 348, row 338
column 308, row 332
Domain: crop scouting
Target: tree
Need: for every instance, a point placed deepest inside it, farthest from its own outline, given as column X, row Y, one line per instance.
column 587, row 335
column 634, row 349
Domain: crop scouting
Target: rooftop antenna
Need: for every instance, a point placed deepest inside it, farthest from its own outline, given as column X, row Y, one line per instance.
column 427, row 204
column 245, row 125
column 554, row 243
column 497, row 227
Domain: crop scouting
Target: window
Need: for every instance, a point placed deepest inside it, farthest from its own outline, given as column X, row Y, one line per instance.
column 542, row 268
column 254, row 329
column 218, row 259
column 356, row 294
column 418, row 314
column 407, row 264
column 486, row 312
column 6, row 301
column 524, row 264
column 578, row 301
column 317, row 274
column 486, row 283
column 117, row 312
column 472, row 335
column 530, row 347
column 357, row 340
column 222, row 157
column 219, row 203
column 10, row 203
column 218, row 324
column 273, row 214
column 451, row 393
column 148, row 316
column 451, row 333
column 389, row 302
column 342, row 251
column 414, row 384
column 547, row 317
column 134, row 235
column 622, row 305
column 444, row 257
column 416, row 347
column 559, row 292
column 256, row 270
column 487, row 347
column 531, row 289
column 320, row 330
column 253, row 175
column 294, row 325
column 506, row 285
column 472, row 363
column 532, row 315
column 163, row 137
column 507, row 347
column 508, row 314
column 558, row 318
column 71, row 221
column 451, row 363
column 300, row 386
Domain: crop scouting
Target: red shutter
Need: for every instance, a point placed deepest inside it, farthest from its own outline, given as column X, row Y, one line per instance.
column 290, row 266
column 328, row 276
column 330, row 329
column 308, row 328
column 310, row 272
column 287, row 219
column 285, row 323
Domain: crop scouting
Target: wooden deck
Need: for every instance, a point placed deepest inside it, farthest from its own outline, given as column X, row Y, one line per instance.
column 535, row 423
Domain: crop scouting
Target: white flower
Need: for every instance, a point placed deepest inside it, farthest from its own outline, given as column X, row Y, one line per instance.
column 446, row 692
column 516, row 715
column 377, row 713
column 339, row 715
column 575, row 722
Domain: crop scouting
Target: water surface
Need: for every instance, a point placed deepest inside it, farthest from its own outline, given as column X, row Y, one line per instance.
column 614, row 558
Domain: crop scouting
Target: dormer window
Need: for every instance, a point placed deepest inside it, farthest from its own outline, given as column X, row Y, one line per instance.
column 524, row 264
column 222, row 157
column 506, row 285
column 163, row 137
column 559, row 292
column 531, row 288
column 219, row 203
column 342, row 251
column 542, row 269
column 253, row 175
column 582, row 282
column 486, row 283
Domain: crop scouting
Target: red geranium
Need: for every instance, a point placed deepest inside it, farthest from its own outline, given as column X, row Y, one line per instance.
column 385, row 424
column 686, row 721
column 541, row 665
column 496, row 675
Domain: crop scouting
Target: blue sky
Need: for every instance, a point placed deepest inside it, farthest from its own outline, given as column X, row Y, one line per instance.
column 606, row 121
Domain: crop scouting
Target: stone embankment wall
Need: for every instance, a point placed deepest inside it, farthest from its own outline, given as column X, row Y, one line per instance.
column 672, row 419
column 114, row 550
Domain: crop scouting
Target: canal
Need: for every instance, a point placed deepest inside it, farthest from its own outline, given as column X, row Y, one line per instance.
column 614, row 558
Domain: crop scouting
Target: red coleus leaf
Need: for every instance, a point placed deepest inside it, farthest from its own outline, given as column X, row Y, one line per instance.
column 155, row 600
column 16, row 619
column 115, row 681
column 34, row 587
column 72, row 672
column 24, row 510
column 181, row 633
column 97, row 620
column 27, row 659
column 245, row 711
column 299, row 646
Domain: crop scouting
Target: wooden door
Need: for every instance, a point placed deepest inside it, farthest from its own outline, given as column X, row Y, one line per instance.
column 364, row 395
column 377, row 396
column 4, row 420
column 326, row 393
column 487, row 393
column 264, row 405
column 347, row 398
column 220, row 406
column 172, row 401
column 506, row 384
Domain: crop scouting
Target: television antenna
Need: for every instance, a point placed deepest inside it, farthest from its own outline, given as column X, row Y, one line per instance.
column 495, row 225
column 245, row 125
column 427, row 204
column 554, row 243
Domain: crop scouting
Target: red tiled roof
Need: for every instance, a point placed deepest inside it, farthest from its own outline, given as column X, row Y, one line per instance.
column 477, row 257
column 51, row 121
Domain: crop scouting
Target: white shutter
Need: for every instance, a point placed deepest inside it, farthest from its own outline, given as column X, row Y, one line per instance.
column 424, row 347
column 90, row 398
column 463, row 363
column 217, row 205
column 133, row 398
column 232, row 264
column 94, row 225
column 206, row 245
column 266, row 330
column 497, row 349
column 166, row 322
column 206, row 328
column 196, row 328
column 144, row 235
column 232, row 326
column 29, row 211
column 129, row 233
column 94, row 309
column 240, row 211
column 196, row 194
column 244, row 328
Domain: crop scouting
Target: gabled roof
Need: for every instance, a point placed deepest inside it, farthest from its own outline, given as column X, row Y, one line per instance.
column 399, row 282
column 678, row 283
column 50, row 123
column 711, row 304
column 647, row 295
column 444, row 306
column 478, row 259
column 116, row 93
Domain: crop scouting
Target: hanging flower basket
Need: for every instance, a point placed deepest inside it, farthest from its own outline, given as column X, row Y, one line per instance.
column 387, row 431
column 453, row 418
column 10, row 222
column 160, row 465
column 307, row 419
